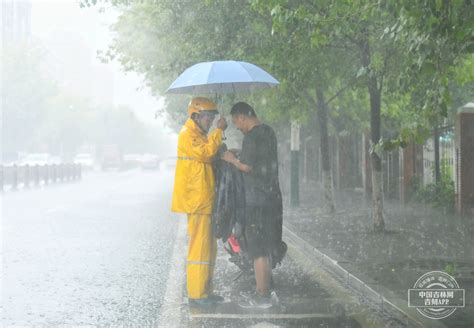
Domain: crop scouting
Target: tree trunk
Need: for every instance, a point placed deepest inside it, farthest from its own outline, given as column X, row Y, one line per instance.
column 329, row 204
column 377, row 192
column 375, row 92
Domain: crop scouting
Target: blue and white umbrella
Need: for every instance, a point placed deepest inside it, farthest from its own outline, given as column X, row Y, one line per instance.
column 220, row 77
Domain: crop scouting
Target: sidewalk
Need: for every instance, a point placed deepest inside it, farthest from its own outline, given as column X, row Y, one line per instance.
column 302, row 301
column 418, row 240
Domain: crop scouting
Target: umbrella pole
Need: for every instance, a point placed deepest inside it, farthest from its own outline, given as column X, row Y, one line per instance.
column 220, row 103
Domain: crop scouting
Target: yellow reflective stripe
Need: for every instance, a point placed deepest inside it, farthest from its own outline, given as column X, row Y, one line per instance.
column 187, row 158
column 202, row 263
column 198, row 262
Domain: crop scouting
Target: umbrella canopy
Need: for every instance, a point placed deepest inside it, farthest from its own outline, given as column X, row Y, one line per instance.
column 219, row 77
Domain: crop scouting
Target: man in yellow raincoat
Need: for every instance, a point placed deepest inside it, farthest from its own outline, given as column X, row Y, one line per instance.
column 194, row 195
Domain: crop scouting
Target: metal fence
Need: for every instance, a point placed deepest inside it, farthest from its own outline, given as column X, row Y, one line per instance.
column 16, row 177
column 446, row 156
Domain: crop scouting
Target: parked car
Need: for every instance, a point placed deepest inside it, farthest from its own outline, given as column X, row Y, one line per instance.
column 131, row 160
column 86, row 160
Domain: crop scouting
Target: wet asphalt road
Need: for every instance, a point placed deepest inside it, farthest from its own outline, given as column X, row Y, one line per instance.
column 88, row 253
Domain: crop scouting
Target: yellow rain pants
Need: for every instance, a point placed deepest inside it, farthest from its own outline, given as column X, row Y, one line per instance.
column 201, row 256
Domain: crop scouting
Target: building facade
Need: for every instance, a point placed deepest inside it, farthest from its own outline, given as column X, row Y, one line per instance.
column 16, row 21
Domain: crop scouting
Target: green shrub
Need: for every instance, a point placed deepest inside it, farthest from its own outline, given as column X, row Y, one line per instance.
column 440, row 195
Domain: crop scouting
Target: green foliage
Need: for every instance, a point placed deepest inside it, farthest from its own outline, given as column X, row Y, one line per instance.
column 438, row 36
column 438, row 195
column 464, row 71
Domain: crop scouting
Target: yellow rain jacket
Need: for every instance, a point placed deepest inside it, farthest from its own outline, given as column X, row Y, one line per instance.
column 194, row 180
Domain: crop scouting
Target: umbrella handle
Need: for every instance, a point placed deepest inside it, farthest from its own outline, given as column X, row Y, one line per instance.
column 223, row 132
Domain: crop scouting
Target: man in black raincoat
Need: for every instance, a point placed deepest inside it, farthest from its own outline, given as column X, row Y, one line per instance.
column 258, row 161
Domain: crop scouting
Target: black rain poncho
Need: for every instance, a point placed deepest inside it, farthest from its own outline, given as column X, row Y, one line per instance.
column 229, row 210
column 229, row 201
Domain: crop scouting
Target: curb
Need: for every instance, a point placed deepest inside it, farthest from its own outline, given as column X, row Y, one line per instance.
column 377, row 296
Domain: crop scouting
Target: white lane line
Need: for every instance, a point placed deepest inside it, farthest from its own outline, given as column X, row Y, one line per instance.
column 263, row 325
column 261, row 316
column 170, row 314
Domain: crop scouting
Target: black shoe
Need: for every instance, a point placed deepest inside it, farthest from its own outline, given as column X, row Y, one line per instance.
column 202, row 302
column 255, row 301
column 216, row 298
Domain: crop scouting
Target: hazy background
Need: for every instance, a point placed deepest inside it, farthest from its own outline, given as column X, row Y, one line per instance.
column 72, row 36
column 60, row 98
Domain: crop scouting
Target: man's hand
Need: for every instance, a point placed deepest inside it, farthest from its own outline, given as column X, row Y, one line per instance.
column 222, row 124
column 235, row 151
column 228, row 156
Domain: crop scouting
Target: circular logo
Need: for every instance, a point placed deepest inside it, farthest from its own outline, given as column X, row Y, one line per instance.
column 436, row 295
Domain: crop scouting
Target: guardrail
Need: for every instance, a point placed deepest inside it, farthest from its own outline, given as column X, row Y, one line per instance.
column 26, row 176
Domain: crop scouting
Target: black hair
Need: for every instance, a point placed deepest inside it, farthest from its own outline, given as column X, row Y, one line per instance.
column 242, row 108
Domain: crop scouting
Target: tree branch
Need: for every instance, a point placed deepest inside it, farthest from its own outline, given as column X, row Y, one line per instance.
column 337, row 94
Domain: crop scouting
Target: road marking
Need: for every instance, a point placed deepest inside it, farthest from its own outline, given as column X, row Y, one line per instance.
column 260, row 316
column 263, row 324
column 170, row 314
